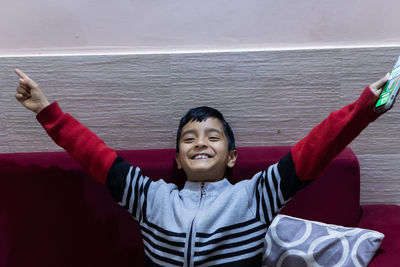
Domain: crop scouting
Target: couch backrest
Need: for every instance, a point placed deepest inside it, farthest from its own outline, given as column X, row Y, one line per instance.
column 52, row 214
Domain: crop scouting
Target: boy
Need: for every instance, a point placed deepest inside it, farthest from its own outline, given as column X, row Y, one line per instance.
column 210, row 222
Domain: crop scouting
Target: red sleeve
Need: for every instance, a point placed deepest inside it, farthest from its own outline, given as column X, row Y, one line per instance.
column 331, row 136
column 81, row 143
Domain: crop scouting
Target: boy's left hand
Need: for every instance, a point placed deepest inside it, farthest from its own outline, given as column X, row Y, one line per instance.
column 377, row 86
column 29, row 94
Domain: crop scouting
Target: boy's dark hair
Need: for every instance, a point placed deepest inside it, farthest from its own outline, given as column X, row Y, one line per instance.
column 200, row 114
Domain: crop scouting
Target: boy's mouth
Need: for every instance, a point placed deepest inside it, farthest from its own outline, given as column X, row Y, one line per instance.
column 201, row 156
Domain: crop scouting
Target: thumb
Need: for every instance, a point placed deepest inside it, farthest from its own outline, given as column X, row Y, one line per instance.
column 381, row 82
column 377, row 86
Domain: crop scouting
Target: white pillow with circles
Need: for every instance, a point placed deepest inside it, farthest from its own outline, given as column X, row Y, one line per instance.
column 296, row 242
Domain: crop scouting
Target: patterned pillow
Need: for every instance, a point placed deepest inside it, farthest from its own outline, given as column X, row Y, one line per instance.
column 296, row 242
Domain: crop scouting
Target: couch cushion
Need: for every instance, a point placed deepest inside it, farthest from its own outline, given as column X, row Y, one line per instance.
column 385, row 219
column 334, row 197
column 51, row 214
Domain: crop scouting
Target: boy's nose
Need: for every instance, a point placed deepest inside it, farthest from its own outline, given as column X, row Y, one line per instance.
column 201, row 142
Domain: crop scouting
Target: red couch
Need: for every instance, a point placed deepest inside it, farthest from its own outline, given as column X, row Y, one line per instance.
column 52, row 214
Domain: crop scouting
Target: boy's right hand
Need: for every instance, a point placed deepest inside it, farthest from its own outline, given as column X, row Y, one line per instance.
column 29, row 94
column 377, row 86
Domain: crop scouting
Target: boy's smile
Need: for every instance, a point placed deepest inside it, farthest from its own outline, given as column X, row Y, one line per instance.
column 203, row 151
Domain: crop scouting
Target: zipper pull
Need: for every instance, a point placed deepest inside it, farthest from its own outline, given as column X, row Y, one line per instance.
column 203, row 191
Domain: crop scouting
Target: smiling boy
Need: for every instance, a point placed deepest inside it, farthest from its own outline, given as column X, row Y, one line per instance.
column 205, row 146
column 210, row 222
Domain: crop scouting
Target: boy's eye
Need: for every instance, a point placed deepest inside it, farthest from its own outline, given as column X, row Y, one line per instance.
column 188, row 139
column 214, row 138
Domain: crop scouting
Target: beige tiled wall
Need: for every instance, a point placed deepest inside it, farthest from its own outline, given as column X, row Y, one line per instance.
column 269, row 97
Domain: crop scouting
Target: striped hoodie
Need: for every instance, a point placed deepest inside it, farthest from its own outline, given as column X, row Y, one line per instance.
column 209, row 223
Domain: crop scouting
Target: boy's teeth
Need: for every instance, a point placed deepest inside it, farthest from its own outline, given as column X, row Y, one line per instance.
column 201, row 157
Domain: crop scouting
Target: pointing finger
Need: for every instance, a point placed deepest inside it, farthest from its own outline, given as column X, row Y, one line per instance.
column 24, row 79
column 21, row 74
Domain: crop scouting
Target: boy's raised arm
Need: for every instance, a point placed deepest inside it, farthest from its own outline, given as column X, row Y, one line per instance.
column 332, row 135
column 82, row 144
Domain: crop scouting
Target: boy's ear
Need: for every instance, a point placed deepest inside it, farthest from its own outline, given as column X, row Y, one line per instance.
column 232, row 158
column 178, row 161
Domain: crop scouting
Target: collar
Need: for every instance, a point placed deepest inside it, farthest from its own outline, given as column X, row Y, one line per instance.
column 209, row 187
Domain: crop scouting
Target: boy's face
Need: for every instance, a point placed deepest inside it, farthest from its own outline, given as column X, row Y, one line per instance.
column 203, row 151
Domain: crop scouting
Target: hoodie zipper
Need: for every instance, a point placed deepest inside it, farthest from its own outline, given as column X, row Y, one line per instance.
column 189, row 248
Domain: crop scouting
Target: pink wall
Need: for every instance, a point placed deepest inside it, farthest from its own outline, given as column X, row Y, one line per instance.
column 111, row 93
column 103, row 26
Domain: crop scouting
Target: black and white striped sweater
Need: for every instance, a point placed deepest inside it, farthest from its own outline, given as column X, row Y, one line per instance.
column 210, row 223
